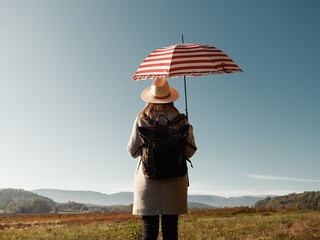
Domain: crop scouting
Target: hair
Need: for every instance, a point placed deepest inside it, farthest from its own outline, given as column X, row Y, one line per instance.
column 150, row 108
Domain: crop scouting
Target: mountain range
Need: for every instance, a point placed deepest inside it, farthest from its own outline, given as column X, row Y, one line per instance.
column 126, row 198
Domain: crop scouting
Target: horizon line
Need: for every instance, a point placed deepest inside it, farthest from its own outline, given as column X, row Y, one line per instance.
column 224, row 195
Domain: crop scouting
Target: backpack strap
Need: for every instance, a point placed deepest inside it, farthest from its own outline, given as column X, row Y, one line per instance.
column 178, row 118
column 161, row 115
column 148, row 120
column 187, row 159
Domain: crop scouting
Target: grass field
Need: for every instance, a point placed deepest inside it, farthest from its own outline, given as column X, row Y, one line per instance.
column 231, row 223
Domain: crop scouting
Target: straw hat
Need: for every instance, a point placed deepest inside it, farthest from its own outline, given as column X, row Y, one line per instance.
column 160, row 92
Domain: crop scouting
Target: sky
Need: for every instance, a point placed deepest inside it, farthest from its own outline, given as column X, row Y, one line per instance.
column 67, row 101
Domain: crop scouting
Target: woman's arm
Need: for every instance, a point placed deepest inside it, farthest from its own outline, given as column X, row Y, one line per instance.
column 134, row 148
column 190, row 147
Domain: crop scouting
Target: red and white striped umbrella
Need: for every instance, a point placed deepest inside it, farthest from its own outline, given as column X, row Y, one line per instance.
column 185, row 60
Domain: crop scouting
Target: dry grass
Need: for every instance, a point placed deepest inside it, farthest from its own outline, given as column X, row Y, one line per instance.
column 250, row 223
column 228, row 223
column 46, row 220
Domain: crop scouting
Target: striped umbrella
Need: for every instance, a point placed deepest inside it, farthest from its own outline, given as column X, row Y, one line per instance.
column 183, row 60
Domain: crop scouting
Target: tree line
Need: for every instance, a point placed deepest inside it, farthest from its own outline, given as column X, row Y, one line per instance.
column 111, row 209
column 35, row 206
column 293, row 201
column 16, row 201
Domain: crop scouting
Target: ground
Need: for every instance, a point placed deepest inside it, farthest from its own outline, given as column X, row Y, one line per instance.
column 227, row 223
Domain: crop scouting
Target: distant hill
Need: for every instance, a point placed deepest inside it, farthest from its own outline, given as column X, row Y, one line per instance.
column 18, row 195
column 217, row 201
column 305, row 201
column 122, row 198
column 21, row 201
column 126, row 198
column 198, row 206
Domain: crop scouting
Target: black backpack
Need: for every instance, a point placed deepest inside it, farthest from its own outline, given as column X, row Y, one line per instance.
column 163, row 147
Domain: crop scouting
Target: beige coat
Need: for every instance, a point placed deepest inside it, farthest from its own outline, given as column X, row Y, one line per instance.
column 158, row 196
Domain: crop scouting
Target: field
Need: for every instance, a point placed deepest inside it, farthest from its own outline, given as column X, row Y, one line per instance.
column 228, row 223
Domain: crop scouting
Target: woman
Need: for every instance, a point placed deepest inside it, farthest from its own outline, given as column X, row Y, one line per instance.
column 166, row 196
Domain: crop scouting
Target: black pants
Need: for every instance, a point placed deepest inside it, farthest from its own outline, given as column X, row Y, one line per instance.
column 169, row 226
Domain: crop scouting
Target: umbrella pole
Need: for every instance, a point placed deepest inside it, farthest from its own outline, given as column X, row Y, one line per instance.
column 185, row 95
column 185, row 87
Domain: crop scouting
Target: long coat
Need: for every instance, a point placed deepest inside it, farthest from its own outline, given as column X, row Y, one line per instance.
column 158, row 196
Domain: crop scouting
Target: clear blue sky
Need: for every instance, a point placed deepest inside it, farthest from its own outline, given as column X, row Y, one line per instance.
column 67, row 103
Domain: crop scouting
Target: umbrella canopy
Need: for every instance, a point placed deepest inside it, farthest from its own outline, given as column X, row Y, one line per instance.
column 185, row 60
